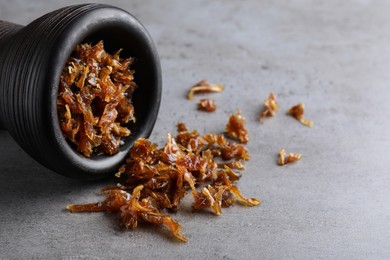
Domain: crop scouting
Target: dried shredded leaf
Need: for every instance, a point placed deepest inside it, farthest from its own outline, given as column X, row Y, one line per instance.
column 159, row 178
column 94, row 99
column 235, row 128
column 132, row 209
column 290, row 158
column 203, row 87
column 297, row 112
column 208, row 105
column 271, row 106
column 234, row 164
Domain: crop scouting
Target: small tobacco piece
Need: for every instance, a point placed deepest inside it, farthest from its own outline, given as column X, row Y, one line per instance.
column 271, row 106
column 94, row 99
column 297, row 112
column 203, row 87
column 234, row 165
column 235, row 128
column 221, row 193
column 208, row 105
column 290, row 158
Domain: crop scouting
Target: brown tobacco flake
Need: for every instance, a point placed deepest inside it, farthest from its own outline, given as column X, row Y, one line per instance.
column 297, row 112
column 94, row 99
column 235, row 128
column 290, row 158
column 203, row 87
column 132, row 209
column 234, row 165
column 221, row 193
column 155, row 180
column 271, row 106
column 208, row 105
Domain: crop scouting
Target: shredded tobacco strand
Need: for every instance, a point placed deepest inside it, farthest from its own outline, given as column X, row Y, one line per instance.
column 271, row 106
column 290, row 158
column 203, row 87
column 297, row 112
column 94, row 99
column 132, row 209
column 235, row 128
column 154, row 180
column 208, row 105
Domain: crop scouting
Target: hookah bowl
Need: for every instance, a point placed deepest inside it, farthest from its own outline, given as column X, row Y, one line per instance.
column 32, row 59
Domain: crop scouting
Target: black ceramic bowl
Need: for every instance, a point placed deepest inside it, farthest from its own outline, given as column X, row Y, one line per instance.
column 31, row 61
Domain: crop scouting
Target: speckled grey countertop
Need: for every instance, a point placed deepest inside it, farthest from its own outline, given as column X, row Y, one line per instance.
column 332, row 55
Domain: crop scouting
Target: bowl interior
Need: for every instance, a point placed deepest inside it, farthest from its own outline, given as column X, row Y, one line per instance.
column 119, row 30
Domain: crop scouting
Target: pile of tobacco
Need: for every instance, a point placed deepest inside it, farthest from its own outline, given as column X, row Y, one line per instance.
column 94, row 100
column 154, row 180
column 94, row 108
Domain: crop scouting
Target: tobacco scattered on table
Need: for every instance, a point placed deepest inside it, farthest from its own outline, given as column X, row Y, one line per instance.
column 271, row 106
column 290, row 158
column 203, row 87
column 297, row 112
column 207, row 104
column 155, row 180
column 94, row 100
column 132, row 208
column 235, row 128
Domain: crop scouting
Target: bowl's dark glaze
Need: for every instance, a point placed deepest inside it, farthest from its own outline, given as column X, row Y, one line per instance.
column 31, row 62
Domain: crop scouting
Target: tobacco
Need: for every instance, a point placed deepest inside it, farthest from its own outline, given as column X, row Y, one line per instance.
column 94, row 101
column 208, row 105
column 203, row 87
column 297, row 112
column 290, row 158
column 154, row 180
column 235, row 128
column 271, row 106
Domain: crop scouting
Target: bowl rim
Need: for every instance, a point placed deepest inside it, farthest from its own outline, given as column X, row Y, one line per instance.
column 89, row 23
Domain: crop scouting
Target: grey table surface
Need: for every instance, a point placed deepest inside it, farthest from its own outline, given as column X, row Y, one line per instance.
column 334, row 204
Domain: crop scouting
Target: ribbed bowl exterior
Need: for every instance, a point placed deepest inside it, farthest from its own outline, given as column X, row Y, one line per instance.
column 7, row 30
column 31, row 60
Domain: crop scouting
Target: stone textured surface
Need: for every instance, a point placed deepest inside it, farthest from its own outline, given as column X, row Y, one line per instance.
column 332, row 55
